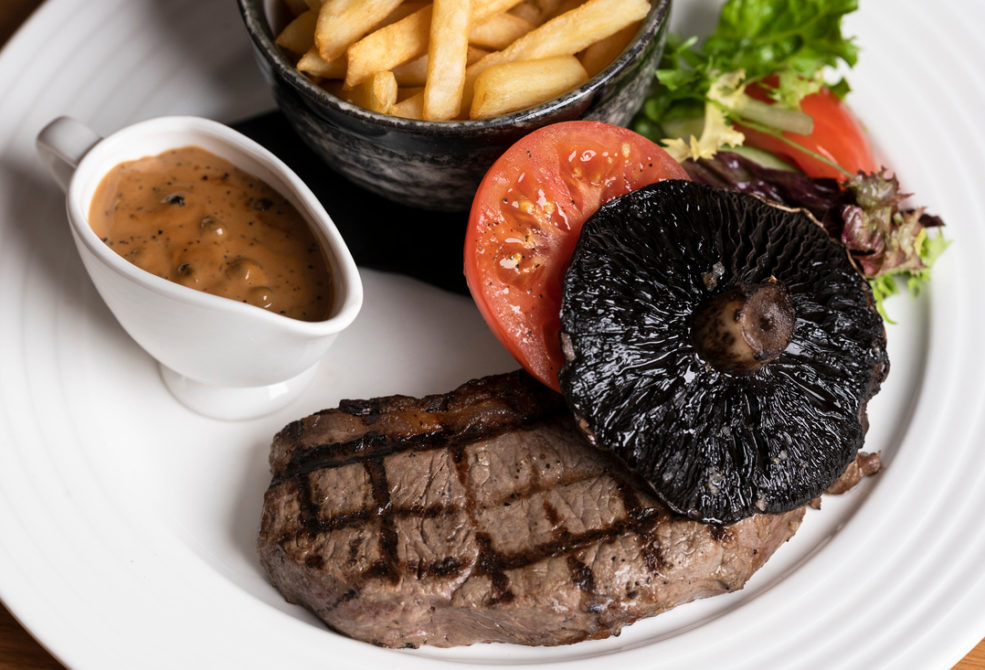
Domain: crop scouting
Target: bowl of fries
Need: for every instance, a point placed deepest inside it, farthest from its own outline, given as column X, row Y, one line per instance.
column 414, row 100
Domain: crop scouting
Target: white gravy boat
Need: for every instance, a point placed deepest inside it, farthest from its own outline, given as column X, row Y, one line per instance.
column 219, row 357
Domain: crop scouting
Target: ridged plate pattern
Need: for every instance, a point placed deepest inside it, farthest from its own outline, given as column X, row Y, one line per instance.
column 127, row 524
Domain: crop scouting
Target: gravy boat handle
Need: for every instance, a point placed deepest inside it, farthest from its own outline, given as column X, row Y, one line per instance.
column 62, row 145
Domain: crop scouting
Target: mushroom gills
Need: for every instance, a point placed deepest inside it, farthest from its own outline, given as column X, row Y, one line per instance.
column 722, row 347
column 742, row 329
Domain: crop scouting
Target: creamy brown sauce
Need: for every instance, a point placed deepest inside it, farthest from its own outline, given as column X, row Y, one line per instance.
column 196, row 219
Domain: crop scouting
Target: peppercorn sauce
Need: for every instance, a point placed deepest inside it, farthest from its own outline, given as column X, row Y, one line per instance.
column 194, row 218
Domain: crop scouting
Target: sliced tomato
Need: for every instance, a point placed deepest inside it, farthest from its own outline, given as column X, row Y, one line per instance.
column 837, row 135
column 526, row 218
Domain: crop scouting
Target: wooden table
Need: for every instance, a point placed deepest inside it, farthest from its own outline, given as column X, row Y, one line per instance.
column 18, row 650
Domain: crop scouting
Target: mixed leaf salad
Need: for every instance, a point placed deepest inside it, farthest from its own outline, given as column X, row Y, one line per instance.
column 689, row 308
column 750, row 109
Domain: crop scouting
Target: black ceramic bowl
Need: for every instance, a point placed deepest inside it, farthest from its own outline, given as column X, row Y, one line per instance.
column 437, row 165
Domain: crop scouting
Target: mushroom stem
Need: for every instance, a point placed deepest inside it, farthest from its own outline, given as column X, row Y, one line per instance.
column 744, row 328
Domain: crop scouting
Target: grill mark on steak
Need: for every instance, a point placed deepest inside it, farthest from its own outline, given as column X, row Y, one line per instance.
column 581, row 575
column 348, row 520
column 466, row 577
column 494, row 564
column 388, row 566
column 446, row 567
column 487, row 562
column 372, row 448
column 490, row 564
column 313, row 525
column 537, row 487
column 307, row 508
column 565, row 544
column 551, row 512
column 374, row 445
column 369, row 446
column 643, row 520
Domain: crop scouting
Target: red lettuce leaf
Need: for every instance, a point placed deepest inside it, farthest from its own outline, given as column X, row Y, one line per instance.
column 864, row 213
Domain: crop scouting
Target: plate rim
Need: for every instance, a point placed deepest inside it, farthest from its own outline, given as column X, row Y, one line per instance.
column 22, row 41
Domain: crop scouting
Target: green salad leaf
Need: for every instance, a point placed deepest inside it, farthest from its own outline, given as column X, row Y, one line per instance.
column 888, row 283
column 782, row 46
column 771, row 36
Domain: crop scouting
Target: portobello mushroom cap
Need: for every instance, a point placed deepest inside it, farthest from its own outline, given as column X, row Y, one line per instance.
column 722, row 347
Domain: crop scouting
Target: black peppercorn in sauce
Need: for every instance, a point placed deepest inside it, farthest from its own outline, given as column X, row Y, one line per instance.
column 191, row 217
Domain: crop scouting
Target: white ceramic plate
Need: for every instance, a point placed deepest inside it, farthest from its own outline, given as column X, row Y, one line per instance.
column 127, row 524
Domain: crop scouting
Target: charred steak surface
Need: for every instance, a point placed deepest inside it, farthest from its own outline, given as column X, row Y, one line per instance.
column 482, row 515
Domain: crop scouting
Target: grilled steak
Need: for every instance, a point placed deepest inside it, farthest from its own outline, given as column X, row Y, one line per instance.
column 482, row 515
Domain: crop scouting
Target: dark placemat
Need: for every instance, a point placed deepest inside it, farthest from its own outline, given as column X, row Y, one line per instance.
column 381, row 234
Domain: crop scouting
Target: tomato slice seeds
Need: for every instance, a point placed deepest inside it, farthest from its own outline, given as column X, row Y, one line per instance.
column 526, row 218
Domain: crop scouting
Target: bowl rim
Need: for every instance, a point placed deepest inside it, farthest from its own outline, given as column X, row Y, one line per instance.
column 261, row 33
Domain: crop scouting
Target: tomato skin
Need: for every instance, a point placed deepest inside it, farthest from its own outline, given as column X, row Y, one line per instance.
column 837, row 135
column 525, row 220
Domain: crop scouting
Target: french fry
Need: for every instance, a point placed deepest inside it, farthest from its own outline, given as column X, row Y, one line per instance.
column 342, row 22
column 377, row 94
column 499, row 31
column 563, row 35
column 567, row 6
column 363, row 50
column 404, row 10
column 572, row 31
column 548, row 8
column 415, row 72
column 298, row 36
column 510, row 87
column 313, row 64
column 483, row 9
column 528, row 11
column 538, row 11
column 597, row 56
column 405, row 40
column 388, row 47
column 405, row 92
column 411, row 107
column 475, row 54
column 447, row 52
